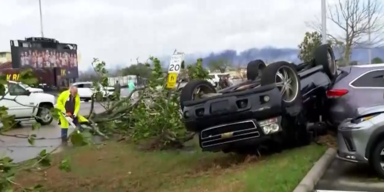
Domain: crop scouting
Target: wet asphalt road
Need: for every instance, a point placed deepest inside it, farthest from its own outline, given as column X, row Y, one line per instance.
column 20, row 150
column 345, row 176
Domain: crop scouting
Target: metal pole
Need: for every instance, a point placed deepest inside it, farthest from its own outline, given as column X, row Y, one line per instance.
column 369, row 33
column 41, row 19
column 323, row 21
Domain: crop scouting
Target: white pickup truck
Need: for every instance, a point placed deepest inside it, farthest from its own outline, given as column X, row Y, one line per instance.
column 27, row 103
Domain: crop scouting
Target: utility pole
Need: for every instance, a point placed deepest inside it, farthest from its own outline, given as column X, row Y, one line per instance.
column 324, row 21
column 369, row 33
column 41, row 19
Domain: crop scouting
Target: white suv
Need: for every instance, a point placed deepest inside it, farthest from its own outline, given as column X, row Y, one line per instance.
column 27, row 103
column 86, row 90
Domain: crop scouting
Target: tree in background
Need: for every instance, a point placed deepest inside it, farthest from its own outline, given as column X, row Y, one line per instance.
column 219, row 65
column 377, row 60
column 355, row 19
column 182, row 65
column 197, row 70
column 140, row 70
column 306, row 48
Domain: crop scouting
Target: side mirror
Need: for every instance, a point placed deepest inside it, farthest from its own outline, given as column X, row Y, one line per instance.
column 27, row 93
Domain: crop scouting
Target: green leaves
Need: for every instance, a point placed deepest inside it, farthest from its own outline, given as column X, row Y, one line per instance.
column 81, row 138
column 65, row 165
column 31, row 139
column 310, row 42
column 36, row 126
column 197, row 70
column 44, row 158
column 27, row 77
column 377, row 60
column 220, row 64
column 55, row 112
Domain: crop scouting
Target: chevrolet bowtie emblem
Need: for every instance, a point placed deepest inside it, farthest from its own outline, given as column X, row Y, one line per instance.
column 227, row 135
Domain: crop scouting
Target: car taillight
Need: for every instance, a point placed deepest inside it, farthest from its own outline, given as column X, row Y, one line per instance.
column 336, row 93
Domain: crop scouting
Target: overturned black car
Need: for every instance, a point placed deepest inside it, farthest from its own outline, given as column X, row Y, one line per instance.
column 272, row 108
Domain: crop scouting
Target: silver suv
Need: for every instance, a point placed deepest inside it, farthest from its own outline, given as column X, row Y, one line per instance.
column 361, row 139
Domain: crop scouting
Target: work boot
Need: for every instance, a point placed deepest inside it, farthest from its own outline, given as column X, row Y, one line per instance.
column 64, row 141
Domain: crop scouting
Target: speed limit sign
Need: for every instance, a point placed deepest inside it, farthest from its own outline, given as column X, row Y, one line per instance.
column 175, row 65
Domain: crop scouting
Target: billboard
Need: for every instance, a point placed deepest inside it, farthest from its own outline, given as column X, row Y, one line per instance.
column 64, row 59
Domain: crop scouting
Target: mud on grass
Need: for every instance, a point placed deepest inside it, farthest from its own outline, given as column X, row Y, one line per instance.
column 119, row 167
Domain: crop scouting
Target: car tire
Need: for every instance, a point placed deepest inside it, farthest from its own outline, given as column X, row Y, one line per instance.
column 324, row 55
column 254, row 69
column 375, row 159
column 188, row 90
column 42, row 112
column 270, row 74
column 86, row 100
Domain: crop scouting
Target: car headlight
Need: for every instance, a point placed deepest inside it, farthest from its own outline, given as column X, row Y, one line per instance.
column 270, row 126
column 363, row 118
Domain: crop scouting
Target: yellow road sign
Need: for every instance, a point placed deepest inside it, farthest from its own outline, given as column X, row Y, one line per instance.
column 172, row 78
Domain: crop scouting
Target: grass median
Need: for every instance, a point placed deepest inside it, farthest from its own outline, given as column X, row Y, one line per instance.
column 119, row 167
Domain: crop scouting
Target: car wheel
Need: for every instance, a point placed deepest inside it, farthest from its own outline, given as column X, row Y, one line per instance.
column 86, row 100
column 377, row 159
column 44, row 115
column 284, row 76
column 194, row 89
column 254, row 69
column 325, row 56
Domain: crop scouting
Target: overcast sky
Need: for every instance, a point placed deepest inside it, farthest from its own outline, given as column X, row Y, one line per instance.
column 120, row 30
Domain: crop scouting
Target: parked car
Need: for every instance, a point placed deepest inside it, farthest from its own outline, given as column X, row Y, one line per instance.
column 356, row 87
column 86, row 90
column 31, row 89
column 361, row 139
column 214, row 78
column 271, row 109
column 26, row 104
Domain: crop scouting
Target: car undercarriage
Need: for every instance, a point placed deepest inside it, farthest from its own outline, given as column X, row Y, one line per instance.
column 271, row 109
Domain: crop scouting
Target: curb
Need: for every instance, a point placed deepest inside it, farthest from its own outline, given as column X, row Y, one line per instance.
column 308, row 183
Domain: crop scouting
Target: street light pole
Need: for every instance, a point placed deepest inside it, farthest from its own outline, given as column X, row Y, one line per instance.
column 41, row 19
column 323, row 21
column 369, row 33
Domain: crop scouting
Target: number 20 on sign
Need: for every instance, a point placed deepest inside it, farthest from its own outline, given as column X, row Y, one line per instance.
column 175, row 64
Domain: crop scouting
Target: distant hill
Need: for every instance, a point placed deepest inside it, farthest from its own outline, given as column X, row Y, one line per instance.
column 269, row 54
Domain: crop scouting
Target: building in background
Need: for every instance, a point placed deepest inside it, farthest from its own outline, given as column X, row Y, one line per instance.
column 5, row 57
column 53, row 63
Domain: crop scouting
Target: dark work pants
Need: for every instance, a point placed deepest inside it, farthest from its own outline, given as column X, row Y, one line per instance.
column 64, row 131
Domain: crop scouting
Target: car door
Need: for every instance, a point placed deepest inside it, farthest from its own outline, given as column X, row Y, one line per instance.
column 88, row 90
column 368, row 88
column 19, row 101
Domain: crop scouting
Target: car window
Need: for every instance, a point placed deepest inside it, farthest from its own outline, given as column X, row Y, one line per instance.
column 79, row 85
column 88, row 85
column 370, row 79
column 15, row 89
column 84, row 85
column 25, row 86
column 211, row 76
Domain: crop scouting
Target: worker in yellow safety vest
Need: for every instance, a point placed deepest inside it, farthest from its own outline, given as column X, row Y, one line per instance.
column 68, row 103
